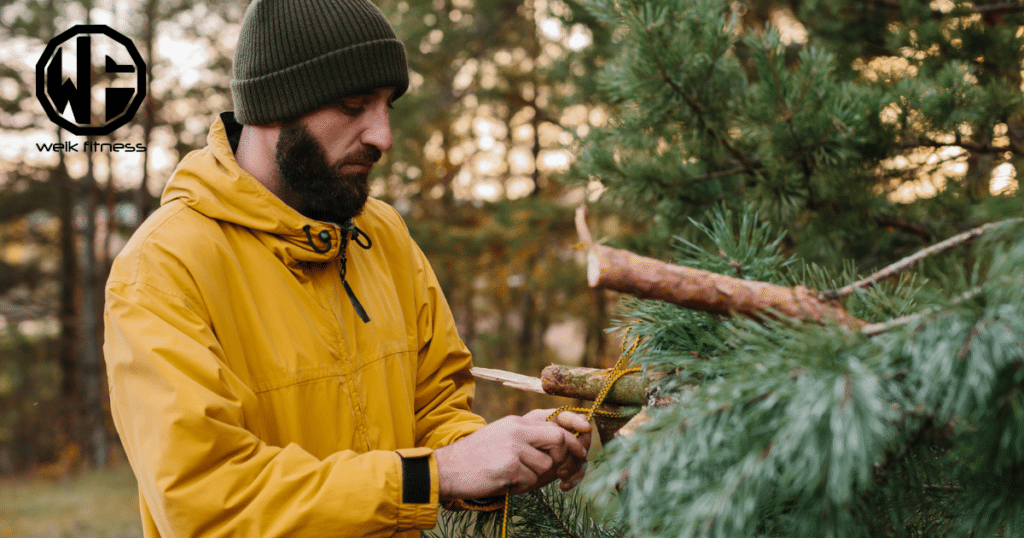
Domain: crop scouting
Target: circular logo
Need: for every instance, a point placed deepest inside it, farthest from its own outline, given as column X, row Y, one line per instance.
column 94, row 54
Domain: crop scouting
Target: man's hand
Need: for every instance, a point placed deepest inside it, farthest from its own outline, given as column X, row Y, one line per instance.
column 515, row 453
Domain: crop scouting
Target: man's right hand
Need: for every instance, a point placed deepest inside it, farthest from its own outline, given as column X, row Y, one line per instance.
column 514, row 453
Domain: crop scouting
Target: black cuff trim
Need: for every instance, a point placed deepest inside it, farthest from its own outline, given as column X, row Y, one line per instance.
column 416, row 480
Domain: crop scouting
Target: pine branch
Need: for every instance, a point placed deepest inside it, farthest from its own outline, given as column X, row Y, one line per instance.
column 551, row 513
column 694, row 106
column 555, row 516
column 908, row 227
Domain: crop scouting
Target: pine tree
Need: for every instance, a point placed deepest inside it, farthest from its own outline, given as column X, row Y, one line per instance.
column 776, row 162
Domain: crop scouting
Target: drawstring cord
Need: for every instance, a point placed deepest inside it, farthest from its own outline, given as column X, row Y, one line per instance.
column 349, row 232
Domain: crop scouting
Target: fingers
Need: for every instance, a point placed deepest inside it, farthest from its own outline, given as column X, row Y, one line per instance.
column 570, row 482
column 539, row 463
column 573, row 422
column 566, row 421
column 557, row 442
column 570, row 460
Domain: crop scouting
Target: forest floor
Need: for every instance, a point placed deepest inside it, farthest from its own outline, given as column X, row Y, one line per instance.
column 94, row 504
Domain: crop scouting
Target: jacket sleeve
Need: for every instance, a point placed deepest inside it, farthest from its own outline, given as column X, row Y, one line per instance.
column 179, row 412
column 444, row 385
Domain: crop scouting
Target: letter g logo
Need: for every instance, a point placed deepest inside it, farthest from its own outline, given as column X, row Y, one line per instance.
column 120, row 99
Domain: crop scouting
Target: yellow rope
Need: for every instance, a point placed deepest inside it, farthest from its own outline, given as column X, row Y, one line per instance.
column 616, row 374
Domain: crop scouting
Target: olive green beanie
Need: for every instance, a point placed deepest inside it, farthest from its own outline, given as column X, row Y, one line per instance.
column 296, row 56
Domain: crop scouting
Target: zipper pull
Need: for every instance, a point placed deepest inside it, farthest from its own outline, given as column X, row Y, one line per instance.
column 360, row 311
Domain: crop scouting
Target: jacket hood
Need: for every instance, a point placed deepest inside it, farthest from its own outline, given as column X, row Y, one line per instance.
column 211, row 182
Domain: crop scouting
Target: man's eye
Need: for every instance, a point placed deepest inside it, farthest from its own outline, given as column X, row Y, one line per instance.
column 352, row 108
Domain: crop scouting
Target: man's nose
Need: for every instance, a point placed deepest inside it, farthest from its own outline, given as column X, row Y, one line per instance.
column 378, row 128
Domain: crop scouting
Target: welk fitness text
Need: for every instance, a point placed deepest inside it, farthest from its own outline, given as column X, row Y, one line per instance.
column 91, row 146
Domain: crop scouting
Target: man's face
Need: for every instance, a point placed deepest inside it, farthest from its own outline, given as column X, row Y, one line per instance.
column 324, row 158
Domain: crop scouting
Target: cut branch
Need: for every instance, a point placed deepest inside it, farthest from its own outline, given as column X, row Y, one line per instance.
column 696, row 289
column 586, row 383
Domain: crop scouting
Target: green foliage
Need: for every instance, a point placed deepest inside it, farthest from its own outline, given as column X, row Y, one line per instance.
column 709, row 104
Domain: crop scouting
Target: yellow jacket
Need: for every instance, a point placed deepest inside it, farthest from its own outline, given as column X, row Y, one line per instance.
column 249, row 396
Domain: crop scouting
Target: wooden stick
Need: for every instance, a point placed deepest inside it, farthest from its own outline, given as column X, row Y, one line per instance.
column 696, row 289
column 509, row 379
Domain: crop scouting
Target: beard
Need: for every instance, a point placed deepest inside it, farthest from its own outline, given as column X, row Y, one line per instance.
column 322, row 190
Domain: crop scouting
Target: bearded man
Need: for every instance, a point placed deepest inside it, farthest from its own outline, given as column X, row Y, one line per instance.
column 280, row 357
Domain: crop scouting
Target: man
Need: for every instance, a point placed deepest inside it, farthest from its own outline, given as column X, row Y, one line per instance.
column 281, row 360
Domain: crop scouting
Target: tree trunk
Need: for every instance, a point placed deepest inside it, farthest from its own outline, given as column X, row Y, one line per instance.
column 95, row 423
column 70, row 334
column 143, row 200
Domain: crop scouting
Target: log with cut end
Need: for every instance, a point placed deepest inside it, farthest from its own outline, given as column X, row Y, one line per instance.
column 586, row 384
column 696, row 289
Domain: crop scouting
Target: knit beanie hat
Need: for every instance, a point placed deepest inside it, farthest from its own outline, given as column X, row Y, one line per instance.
column 296, row 56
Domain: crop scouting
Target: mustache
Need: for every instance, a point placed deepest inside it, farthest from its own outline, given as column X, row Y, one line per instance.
column 363, row 155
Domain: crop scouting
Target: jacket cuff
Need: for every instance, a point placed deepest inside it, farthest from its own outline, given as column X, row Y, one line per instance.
column 419, row 495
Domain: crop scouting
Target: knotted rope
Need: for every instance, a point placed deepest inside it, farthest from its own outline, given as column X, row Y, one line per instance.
column 617, row 372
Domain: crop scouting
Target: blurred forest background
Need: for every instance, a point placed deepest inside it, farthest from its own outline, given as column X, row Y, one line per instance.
column 505, row 129
column 494, row 109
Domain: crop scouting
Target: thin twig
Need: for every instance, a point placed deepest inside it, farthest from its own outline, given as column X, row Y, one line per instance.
column 874, row 329
column 909, row 261
column 967, row 145
column 1004, row 8
column 716, row 175
column 908, row 227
